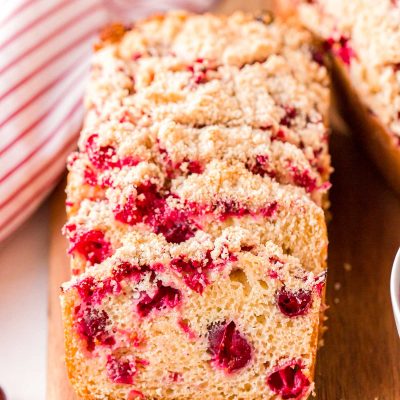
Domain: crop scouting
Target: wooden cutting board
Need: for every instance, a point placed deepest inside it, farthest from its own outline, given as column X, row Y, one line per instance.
column 361, row 356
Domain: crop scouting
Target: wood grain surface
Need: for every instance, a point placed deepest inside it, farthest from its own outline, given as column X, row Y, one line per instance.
column 361, row 356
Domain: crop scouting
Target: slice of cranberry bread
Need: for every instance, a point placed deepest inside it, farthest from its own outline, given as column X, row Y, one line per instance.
column 230, row 317
column 222, row 195
column 363, row 36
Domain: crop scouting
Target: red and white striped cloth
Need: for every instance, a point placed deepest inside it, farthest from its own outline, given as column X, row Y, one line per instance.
column 45, row 48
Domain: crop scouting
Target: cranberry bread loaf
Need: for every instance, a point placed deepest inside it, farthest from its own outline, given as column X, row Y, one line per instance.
column 196, row 212
column 363, row 39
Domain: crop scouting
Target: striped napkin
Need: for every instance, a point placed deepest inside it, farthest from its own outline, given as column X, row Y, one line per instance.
column 45, row 48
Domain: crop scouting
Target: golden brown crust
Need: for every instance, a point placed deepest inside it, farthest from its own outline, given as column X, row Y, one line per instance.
column 71, row 349
column 110, row 34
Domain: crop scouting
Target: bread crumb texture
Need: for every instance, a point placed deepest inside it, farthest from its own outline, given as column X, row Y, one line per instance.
column 195, row 209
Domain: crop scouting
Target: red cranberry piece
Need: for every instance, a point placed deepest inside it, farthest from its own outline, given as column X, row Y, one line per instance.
column 230, row 350
column 262, row 160
column 120, row 370
column 129, row 161
column 289, row 382
column 127, row 270
column 105, row 157
column 92, row 291
column 200, row 76
column 319, row 287
column 345, row 52
column 92, row 325
column 329, row 43
column 320, row 282
column 92, row 245
column 136, row 56
column 279, row 135
column 199, row 71
column 175, row 226
column 341, row 48
column 125, row 118
column 293, row 304
column 185, row 326
column 90, row 177
column 142, row 362
column 303, row 179
column 290, row 115
column 195, row 167
column 270, row 209
column 317, row 56
column 135, row 394
column 149, row 207
column 128, row 213
column 165, row 297
column 148, row 198
column 246, row 248
column 149, row 202
column 102, row 157
column 72, row 158
column 138, row 209
column 88, row 290
column 175, row 376
column 262, row 167
column 273, row 274
column 275, row 260
column 230, row 208
column 194, row 272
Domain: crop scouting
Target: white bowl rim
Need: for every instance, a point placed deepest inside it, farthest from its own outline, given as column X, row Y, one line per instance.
column 395, row 288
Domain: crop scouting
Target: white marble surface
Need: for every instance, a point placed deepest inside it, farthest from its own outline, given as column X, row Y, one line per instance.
column 23, row 309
